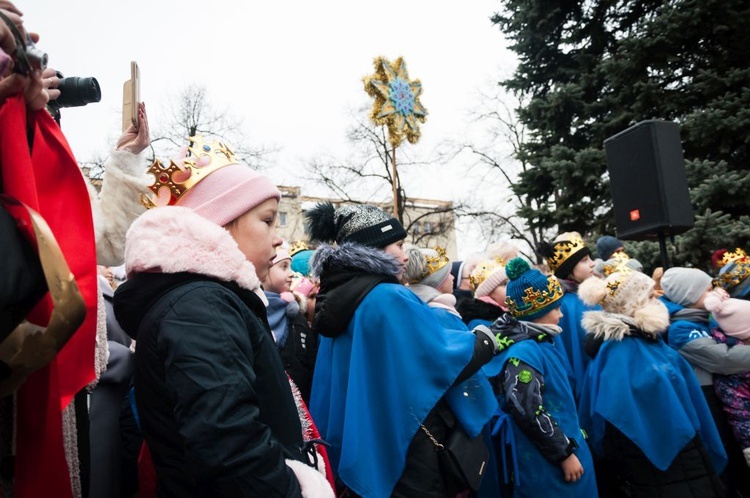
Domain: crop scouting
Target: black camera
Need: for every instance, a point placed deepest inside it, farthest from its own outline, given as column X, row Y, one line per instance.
column 76, row 91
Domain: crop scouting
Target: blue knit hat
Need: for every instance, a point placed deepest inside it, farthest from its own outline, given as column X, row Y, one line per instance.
column 607, row 245
column 530, row 293
column 301, row 261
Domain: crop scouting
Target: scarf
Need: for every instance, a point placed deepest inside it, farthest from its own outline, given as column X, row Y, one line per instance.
column 277, row 317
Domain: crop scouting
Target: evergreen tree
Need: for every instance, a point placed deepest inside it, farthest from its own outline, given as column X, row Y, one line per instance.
column 590, row 69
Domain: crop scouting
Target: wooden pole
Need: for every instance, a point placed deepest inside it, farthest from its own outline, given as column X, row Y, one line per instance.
column 394, row 176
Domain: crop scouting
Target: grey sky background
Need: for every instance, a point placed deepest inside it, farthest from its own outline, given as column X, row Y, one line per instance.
column 291, row 70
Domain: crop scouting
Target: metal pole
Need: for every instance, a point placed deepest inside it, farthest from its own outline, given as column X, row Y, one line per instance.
column 663, row 250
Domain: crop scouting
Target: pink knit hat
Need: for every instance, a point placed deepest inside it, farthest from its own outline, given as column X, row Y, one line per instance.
column 732, row 315
column 281, row 255
column 228, row 193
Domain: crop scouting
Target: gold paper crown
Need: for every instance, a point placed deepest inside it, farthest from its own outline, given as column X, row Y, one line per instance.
column 564, row 249
column 732, row 256
column 618, row 263
column 297, row 246
column 175, row 180
column 434, row 263
column 483, row 270
column 534, row 299
column 731, row 279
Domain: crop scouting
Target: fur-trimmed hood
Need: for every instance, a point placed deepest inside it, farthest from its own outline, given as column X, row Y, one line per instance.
column 651, row 320
column 352, row 256
column 347, row 274
column 175, row 239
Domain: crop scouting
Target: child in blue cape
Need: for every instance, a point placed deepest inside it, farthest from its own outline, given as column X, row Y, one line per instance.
column 552, row 457
column 570, row 260
column 642, row 405
column 685, row 292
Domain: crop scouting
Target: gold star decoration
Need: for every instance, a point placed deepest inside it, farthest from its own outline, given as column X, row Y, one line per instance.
column 397, row 102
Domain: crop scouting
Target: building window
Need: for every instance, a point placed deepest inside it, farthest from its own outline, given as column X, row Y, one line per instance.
column 282, row 219
column 427, row 227
column 415, row 229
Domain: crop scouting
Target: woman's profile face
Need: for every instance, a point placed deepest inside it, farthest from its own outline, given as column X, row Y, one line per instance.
column 255, row 234
column 397, row 250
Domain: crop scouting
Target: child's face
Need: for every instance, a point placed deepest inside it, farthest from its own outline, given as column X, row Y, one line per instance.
column 700, row 304
column 499, row 294
column 279, row 277
column 583, row 270
column 447, row 286
column 255, row 234
column 551, row 318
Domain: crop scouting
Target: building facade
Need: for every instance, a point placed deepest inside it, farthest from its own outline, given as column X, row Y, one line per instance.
column 428, row 222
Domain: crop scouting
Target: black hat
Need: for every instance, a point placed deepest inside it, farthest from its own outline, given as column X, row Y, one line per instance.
column 360, row 223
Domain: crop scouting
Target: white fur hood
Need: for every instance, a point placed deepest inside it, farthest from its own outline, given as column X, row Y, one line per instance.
column 175, row 239
column 651, row 319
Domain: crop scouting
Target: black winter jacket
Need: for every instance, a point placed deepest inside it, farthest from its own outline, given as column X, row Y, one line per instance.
column 214, row 402
column 299, row 353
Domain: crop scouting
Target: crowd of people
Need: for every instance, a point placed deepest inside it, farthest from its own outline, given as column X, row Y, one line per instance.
column 158, row 338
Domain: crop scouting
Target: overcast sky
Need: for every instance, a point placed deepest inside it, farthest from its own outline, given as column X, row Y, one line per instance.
column 290, row 70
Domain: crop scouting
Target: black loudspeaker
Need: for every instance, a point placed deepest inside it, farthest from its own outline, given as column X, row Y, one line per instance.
column 648, row 181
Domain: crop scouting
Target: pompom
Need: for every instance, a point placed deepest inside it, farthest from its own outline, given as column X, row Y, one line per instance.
column 713, row 302
column 516, row 267
column 321, row 223
column 546, row 250
column 592, row 291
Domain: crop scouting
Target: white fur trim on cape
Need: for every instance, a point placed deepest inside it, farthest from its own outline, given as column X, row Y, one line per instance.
column 312, row 483
column 652, row 319
column 175, row 239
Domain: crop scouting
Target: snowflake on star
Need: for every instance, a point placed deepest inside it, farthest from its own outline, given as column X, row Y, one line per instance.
column 397, row 102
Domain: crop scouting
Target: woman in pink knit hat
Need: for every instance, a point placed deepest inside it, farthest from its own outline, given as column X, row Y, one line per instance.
column 215, row 406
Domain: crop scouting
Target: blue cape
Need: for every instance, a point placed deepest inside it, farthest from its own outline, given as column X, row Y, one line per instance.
column 472, row 401
column 650, row 393
column 572, row 336
column 538, row 477
column 375, row 384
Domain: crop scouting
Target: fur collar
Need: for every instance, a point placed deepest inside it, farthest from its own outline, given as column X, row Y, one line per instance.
column 352, row 256
column 652, row 320
column 175, row 239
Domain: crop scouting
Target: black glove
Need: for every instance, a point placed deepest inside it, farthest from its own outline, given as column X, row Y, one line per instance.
column 483, row 332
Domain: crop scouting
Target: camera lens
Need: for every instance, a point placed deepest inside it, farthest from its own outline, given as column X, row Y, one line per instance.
column 76, row 91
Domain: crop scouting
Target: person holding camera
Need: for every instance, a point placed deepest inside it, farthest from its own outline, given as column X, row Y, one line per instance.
column 42, row 183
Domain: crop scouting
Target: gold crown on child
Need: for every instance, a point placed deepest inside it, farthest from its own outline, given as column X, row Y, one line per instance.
column 297, row 246
column 434, row 263
column 563, row 250
column 731, row 256
column 175, row 179
column 483, row 270
column 535, row 299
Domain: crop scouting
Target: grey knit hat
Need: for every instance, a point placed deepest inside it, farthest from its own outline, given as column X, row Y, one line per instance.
column 426, row 266
column 684, row 286
column 361, row 223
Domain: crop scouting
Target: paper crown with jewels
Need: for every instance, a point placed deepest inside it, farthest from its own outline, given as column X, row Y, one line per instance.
column 733, row 276
column 298, row 246
column 483, row 270
column 172, row 182
column 535, row 299
column 563, row 250
column 434, row 263
column 731, row 256
column 618, row 263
